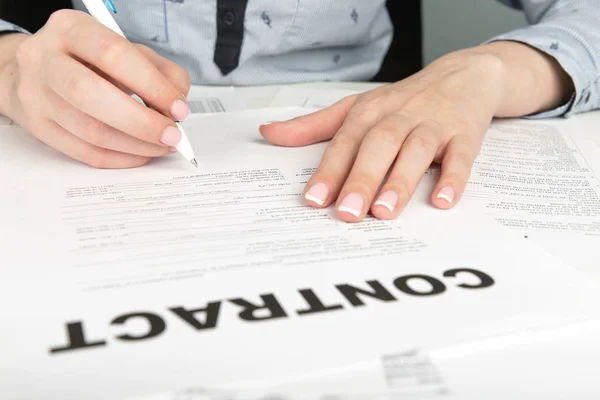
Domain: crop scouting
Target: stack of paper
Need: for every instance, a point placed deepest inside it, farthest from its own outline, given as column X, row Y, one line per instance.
column 128, row 283
column 544, row 365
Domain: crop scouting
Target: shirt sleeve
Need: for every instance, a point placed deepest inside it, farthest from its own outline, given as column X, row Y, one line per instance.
column 569, row 31
column 8, row 27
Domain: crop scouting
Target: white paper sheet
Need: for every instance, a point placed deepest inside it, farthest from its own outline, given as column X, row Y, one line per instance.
column 553, row 365
column 214, row 99
column 4, row 121
column 308, row 97
column 541, row 179
column 167, row 276
column 544, row 183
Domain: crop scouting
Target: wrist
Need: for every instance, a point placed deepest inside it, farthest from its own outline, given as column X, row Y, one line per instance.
column 9, row 44
column 534, row 81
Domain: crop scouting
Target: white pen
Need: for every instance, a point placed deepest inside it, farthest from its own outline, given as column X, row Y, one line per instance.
column 99, row 9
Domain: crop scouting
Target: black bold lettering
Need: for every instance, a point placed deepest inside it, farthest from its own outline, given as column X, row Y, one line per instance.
column 156, row 326
column 437, row 286
column 484, row 279
column 378, row 292
column 270, row 305
column 190, row 316
column 76, row 339
column 315, row 304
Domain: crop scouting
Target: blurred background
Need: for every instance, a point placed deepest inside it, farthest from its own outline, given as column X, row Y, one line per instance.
column 453, row 24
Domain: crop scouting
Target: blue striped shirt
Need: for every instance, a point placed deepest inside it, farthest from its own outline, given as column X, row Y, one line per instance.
column 286, row 41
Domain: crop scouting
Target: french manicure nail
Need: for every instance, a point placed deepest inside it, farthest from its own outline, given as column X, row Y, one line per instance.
column 447, row 193
column 352, row 204
column 180, row 110
column 171, row 136
column 268, row 123
column 388, row 200
column 317, row 193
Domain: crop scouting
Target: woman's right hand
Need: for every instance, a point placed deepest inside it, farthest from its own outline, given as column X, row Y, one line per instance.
column 69, row 85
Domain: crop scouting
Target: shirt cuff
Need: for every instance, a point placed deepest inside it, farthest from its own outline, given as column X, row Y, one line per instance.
column 572, row 53
column 7, row 27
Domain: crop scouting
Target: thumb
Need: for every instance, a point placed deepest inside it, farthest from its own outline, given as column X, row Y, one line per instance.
column 308, row 129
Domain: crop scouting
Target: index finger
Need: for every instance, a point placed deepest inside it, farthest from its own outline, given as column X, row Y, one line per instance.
column 121, row 60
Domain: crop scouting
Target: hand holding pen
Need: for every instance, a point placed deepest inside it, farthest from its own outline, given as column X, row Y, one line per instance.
column 103, row 15
column 69, row 85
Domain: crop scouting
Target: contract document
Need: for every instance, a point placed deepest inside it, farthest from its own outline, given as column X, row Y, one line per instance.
column 308, row 97
column 125, row 283
column 553, row 365
column 539, row 178
column 544, row 183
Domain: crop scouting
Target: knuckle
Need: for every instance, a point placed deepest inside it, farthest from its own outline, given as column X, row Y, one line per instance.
column 96, row 158
column 180, row 75
column 385, row 135
column 432, row 125
column 62, row 20
column 460, row 157
column 138, row 162
column 366, row 108
column 150, row 126
column 343, row 144
column 145, row 49
column 423, row 143
column 406, row 116
column 77, row 87
column 112, row 51
column 95, row 132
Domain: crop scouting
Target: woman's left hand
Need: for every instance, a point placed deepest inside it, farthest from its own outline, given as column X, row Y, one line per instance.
column 438, row 115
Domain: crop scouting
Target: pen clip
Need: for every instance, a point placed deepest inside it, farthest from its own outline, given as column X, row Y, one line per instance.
column 111, row 6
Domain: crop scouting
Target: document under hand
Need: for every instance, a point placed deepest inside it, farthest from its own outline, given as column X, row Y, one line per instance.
column 308, row 97
column 126, row 283
column 540, row 179
column 551, row 364
column 543, row 182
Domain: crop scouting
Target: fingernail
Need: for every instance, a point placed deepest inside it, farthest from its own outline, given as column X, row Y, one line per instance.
column 317, row 193
column 268, row 123
column 180, row 110
column 172, row 150
column 388, row 199
column 447, row 193
column 171, row 136
column 352, row 204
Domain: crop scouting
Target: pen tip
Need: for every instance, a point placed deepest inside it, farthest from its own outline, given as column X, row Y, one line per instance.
column 194, row 162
